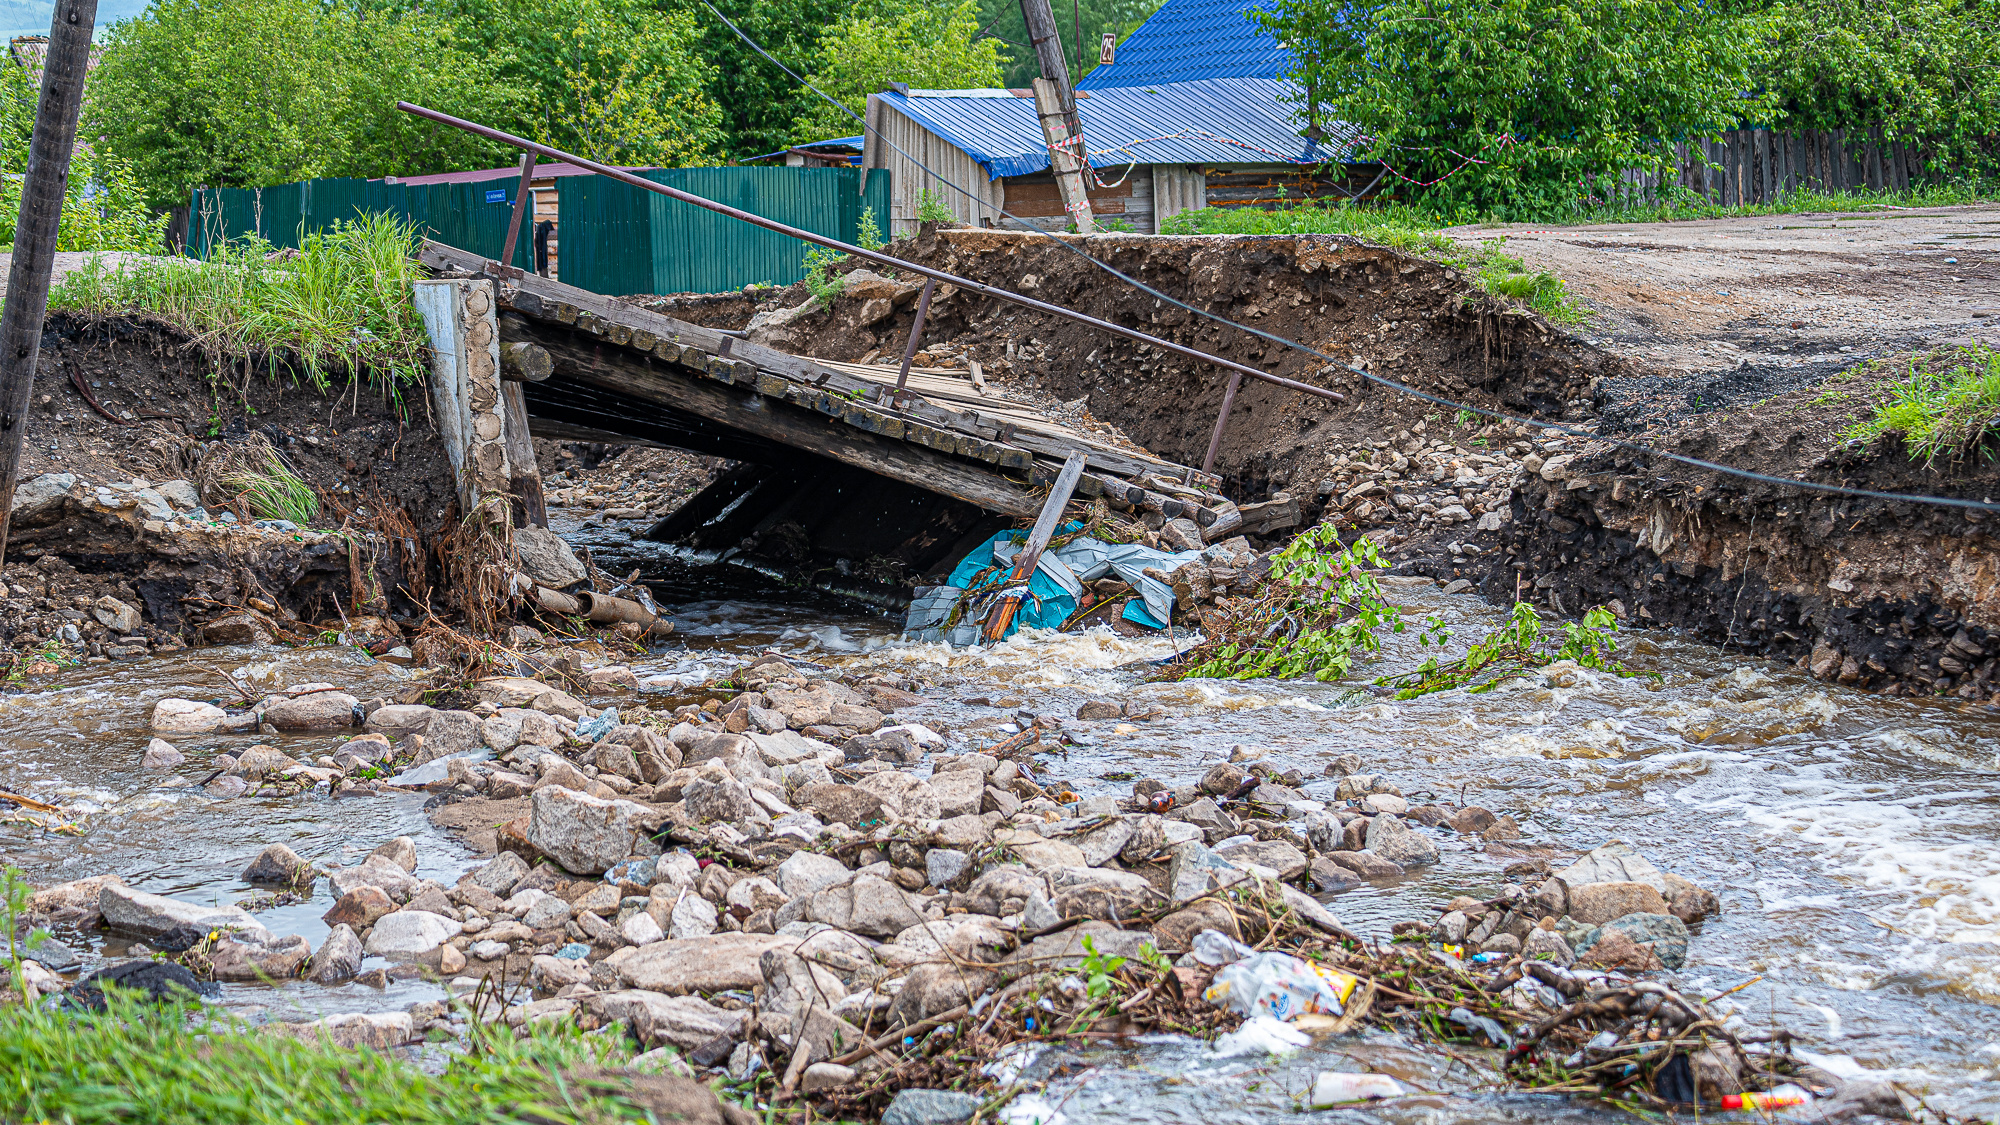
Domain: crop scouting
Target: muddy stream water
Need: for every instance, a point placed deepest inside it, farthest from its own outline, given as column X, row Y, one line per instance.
column 1854, row 840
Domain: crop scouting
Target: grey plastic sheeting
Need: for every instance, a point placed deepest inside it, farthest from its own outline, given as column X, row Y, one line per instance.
column 1078, row 562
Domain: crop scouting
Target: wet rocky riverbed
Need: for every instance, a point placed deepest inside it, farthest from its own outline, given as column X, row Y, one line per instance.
column 1850, row 838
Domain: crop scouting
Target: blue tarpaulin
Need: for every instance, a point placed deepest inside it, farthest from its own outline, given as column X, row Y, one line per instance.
column 1054, row 590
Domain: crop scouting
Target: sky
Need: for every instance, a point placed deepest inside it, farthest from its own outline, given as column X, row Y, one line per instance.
column 33, row 17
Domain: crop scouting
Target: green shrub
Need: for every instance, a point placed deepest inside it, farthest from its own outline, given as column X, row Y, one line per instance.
column 1943, row 410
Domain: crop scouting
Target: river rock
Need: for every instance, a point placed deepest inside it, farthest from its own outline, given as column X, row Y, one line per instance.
column 499, row 874
column 930, row 1107
column 1330, row 876
column 692, row 917
column 448, row 733
column 395, row 882
column 278, row 864
column 226, row 787
column 1000, row 891
column 904, row 796
column 958, row 793
column 74, row 902
column 656, row 1019
column 234, row 960
column 116, row 615
column 322, row 710
column 946, row 867
column 409, row 934
column 586, row 834
column 1550, row 944
column 161, row 755
column 1091, row 892
column 821, row 1075
column 547, row 559
column 1102, row 844
column 802, row 873
column 1193, row 871
column 1689, row 902
column 41, row 496
column 1664, row 933
column 1598, row 903
column 398, row 720
column 708, row 965
column 1614, row 862
column 1288, row 861
column 401, row 851
column 843, row 804
column 1390, row 838
column 338, row 957
column 137, row 912
column 868, row 905
column 377, row 1031
column 185, row 716
column 728, row 801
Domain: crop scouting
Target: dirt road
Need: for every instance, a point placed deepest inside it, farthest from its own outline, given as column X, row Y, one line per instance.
column 1778, row 290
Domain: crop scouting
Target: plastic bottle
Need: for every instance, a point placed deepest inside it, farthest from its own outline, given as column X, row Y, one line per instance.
column 1333, row 1087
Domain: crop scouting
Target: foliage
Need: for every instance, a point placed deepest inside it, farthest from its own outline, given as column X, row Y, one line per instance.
column 1942, row 410
column 932, row 208
column 275, row 493
column 1402, row 228
column 822, row 284
column 176, row 1064
column 14, row 894
column 1097, row 968
column 1924, row 70
column 102, row 206
column 341, row 303
column 1519, row 644
column 926, row 46
column 1321, row 607
column 614, row 80
column 240, row 93
column 1501, row 105
column 1081, row 28
column 867, row 234
column 759, row 101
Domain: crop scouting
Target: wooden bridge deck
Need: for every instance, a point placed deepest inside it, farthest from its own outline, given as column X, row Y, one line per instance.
column 625, row 371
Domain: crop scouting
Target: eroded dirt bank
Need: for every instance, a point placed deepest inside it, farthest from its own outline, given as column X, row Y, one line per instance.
column 1882, row 595
column 140, row 457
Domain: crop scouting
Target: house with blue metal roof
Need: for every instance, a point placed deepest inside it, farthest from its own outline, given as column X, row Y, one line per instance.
column 1193, row 112
column 1190, row 40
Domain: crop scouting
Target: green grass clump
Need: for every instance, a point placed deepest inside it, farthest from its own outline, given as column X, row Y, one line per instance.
column 275, row 493
column 1399, row 228
column 1942, row 410
column 1678, row 204
column 141, row 1064
column 338, row 305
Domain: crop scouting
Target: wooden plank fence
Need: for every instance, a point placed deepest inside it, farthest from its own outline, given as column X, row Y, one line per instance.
column 1745, row 166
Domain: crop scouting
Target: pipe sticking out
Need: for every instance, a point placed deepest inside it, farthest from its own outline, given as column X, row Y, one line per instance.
column 602, row 609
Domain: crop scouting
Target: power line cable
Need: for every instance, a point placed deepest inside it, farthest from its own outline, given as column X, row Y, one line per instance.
column 1381, row 380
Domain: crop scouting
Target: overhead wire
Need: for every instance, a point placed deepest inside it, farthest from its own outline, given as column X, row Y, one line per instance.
column 1381, row 380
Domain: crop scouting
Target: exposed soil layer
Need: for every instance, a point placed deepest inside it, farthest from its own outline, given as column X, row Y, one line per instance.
column 118, row 399
column 1403, row 317
column 1894, row 596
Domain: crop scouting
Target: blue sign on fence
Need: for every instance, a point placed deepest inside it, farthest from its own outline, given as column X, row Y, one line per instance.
column 496, row 195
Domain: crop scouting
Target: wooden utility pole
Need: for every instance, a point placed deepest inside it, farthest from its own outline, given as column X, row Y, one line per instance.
column 27, row 302
column 1055, row 104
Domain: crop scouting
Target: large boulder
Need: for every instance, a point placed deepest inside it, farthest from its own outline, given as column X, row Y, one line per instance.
column 409, row 934
column 657, row 1020
column 1193, row 871
column 708, row 964
column 547, row 559
column 586, row 834
column 185, row 716
column 137, row 912
column 1614, row 862
column 843, row 804
column 868, row 905
column 322, row 710
column 1598, row 903
column 338, row 957
column 1665, row 935
column 1391, row 838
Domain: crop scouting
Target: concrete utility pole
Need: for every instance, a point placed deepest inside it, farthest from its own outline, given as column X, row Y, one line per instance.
column 27, row 305
column 1055, row 104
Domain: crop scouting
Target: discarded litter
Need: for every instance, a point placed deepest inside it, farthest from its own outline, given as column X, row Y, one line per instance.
column 1334, row 1087
column 1278, row 985
column 952, row 612
column 1261, row 1034
column 1780, row 1097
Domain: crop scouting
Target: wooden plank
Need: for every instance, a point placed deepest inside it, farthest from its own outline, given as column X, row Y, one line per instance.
column 1038, row 541
column 788, row 425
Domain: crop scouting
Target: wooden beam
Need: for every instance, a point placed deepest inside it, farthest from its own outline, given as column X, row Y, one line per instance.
column 744, row 410
column 1002, row 616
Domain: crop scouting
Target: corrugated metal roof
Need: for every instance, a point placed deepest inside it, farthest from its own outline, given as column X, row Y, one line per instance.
column 1214, row 121
column 853, row 143
column 1189, row 40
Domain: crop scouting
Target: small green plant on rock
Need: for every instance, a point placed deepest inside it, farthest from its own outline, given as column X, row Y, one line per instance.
column 932, row 208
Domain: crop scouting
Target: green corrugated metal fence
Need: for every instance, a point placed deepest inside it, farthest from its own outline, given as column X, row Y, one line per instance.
column 469, row 216
column 615, row 238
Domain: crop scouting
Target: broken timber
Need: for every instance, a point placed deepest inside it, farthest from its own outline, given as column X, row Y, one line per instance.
column 722, row 395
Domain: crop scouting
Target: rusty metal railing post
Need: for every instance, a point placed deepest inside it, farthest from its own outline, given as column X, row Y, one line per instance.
column 916, row 336
column 1221, row 421
column 522, row 195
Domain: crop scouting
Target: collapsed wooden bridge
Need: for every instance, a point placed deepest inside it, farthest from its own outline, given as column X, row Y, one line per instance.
column 836, row 457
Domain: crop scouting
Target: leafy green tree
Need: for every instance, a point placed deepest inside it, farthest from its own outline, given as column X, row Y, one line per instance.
column 927, row 47
column 759, row 101
column 1081, row 25
column 103, row 208
column 1508, row 105
column 239, row 93
column 615, row 80
column 1925, row 70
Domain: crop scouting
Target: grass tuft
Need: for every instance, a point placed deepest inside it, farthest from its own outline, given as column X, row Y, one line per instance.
column 275, row 493
column 1943, row 410
column 167, row 1064
column 340, row 305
